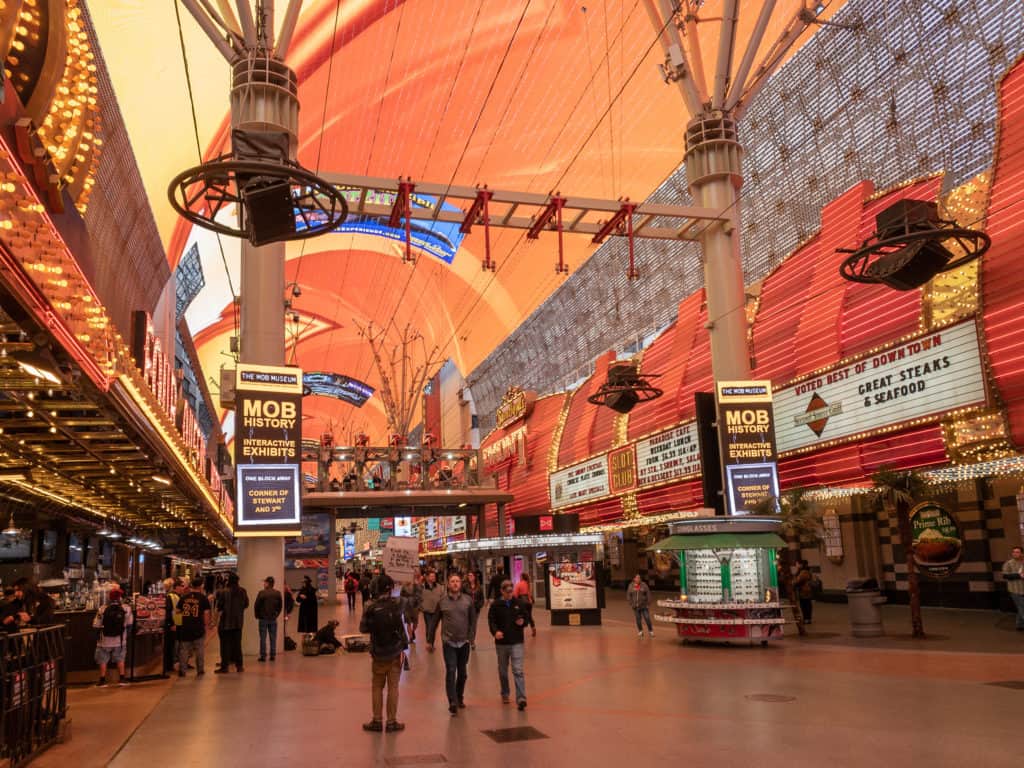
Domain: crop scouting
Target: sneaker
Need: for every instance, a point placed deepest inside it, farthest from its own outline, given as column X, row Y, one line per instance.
column 453, row 710
column 122, row 683
column 462, row 704
column 506, row 700
column 221, row 671
column 521, row 704
column 102, row 683
column 373, row 725
column 394, row 725
column 273, row 658
column 651, row 633
column 262, row 658
column 640, row 635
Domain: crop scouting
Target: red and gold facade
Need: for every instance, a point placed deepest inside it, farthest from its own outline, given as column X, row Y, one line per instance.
column 805, row 321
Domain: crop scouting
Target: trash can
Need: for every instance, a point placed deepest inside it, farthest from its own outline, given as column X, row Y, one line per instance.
column 864, row 599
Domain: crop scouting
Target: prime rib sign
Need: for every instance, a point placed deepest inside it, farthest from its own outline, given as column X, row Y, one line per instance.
column 923, row 378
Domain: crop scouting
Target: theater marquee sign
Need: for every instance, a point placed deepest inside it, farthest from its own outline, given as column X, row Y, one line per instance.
column 924, row 377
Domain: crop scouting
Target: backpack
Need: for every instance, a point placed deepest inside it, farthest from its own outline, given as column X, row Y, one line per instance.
column 113, row 620
column 388, row 635
column 816, row 585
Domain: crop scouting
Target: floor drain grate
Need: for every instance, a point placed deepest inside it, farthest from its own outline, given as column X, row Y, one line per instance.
column 770, row 698
column 396, row 762
column 1017, row 685
column 506, row 735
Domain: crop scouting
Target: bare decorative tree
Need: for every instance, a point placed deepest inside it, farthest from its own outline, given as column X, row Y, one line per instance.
column 404, row 365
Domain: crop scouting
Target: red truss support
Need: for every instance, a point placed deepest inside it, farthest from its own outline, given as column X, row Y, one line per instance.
column 622, row 220
column 552, row 210
column 479, row 210
column 402, row 209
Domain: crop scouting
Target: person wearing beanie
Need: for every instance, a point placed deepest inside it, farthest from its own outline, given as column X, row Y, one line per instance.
column 267, row 608
column 231, row 604
column 112, row 621
column 384, row 622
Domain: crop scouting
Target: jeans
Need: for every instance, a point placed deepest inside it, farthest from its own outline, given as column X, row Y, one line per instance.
column 455, row 660
column 1018, row 601
column 645, row 614
column 230, row 647
column 431, row 620
column 186, row 648
column 351, row 597
column 389, row 671
column 268, row 627
column 513, row 653
column 807, row 608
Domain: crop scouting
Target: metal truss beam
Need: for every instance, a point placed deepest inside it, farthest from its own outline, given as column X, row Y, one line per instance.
column 522, row 210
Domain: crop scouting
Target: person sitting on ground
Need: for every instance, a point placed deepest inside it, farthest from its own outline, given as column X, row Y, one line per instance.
column 325, row 637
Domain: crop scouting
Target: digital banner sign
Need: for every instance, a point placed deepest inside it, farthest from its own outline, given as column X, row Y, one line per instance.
column 268, row 443
column 927, row 376
column 438, row 238
column 338, row 386
column 746, row 438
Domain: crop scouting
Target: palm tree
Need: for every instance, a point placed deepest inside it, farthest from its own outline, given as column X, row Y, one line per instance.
column 800, row 521
column 899, row 490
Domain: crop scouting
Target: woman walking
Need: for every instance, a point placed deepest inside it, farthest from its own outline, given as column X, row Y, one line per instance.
column 411, row 597
column 804, row 586
column 640, row 600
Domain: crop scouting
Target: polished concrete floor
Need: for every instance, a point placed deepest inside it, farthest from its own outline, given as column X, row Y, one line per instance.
column 598, row 696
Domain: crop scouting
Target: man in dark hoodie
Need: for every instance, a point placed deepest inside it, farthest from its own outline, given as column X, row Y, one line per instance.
column 231, row 604
column 267, row 608
column 507, row 618
column 383, row 621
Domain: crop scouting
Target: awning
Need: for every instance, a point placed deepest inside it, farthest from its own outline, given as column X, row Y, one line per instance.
column 720, row 541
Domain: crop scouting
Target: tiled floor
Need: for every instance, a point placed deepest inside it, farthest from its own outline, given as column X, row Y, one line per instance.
column 602, row 698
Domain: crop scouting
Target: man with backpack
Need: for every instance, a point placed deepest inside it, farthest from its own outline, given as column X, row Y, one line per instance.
column 194, row 612
column 351, row 587
column 112, row 622
column 384, row 621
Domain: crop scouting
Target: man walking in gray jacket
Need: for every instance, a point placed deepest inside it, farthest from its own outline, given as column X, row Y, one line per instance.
column 457, row 615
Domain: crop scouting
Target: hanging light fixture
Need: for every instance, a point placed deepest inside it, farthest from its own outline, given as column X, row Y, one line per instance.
column 11, row 529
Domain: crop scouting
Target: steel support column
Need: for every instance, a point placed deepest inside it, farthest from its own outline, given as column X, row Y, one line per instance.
column 713, row 170
column 260, row 105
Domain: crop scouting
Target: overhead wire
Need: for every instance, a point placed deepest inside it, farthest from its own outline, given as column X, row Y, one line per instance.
column 465, row 149
column 319, row 151
column 199, row 152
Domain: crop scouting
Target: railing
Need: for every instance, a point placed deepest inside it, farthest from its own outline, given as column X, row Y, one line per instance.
column 33, row 674
column 395, row 468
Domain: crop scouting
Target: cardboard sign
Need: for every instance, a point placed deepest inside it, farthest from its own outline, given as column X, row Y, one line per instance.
column 401, row 558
